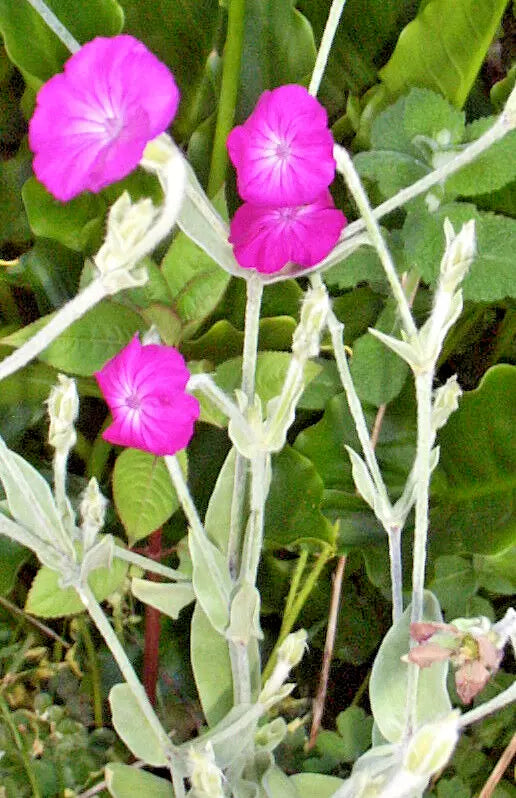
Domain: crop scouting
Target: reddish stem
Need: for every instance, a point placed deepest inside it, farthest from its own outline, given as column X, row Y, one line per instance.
column 152, row 626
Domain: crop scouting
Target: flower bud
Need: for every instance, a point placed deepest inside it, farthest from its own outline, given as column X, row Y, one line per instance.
column 289, row 655
column 93, row 510
column 63, row 409
column 314, row 311
column 446, row 401
column 431, row 746
column 458, row 255
column 205, row 777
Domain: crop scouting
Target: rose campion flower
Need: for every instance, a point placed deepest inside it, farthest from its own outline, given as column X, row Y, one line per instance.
column 283, row 153
column 266, row 239
column 144, row 387
column 92, row 121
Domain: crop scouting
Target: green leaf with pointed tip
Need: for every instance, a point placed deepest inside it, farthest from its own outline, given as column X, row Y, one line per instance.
column 292, row 512
column 143, row 492
column 211, row 667
column 20, row 23
column 13, row 173
column 133, row 727
column 388, row 685
column 76, row 224
column 472, row 507
column 48, row 600
column 454, row 583
column 169, row 598
column 89, row 342
column 217, row 521
column 458, row 47
column 12, row 557
column 491, row 275
column 271, row 370
column 491, row 170
column 224, row 341
column 497, row 572
column 378, row 374
column 124, row 781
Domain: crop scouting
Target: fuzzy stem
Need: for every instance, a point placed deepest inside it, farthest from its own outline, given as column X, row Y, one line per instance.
column 345, row 166
column 425, row 437
column 69, row 313
column 323, row 53
column 106, row 630
column 228, row 93
column 147, row 564
column 254, row 288
column 152, row 627
column 93, row 665
column 55, row 25
column 205, row 384
column 336, row 329
column 394, row 538
column 254, row 533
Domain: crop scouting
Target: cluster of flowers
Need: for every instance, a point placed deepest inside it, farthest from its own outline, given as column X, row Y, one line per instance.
column 283, row 155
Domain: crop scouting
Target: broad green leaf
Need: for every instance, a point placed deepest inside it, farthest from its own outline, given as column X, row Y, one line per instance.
column 167, row 598
column 357, row 310
column 491, row 170
column 458, row 47
column 378, row 374
column 354, row 727
column 316, row 785
column 52, row 272
column 491, row 276
column 388, row 685
column 279, row 48
column 75, row 224
column 89, row 342
column 223, row 340
column 48, row 600
column 322, row 388
column 195, row 281
column 133, row 727
column 211, row 581
column 12, row 557
column 217, row 521
column 20, row 24
column 391, row 170
column 472, row 507
column 497, row 572
column 361, row 266
column 143, row 492
column 13, row 173
column 368, row 29
column 124, row 781
column 292, row 512
column 211, row 667
column 182, row 35
column 271, row 370
column 454, row 583
column 277, row 784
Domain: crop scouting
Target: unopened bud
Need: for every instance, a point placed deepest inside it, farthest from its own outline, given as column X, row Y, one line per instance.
column 93, row 510
column 63, row 409
column 458, row 255
column 314, row 311
column 446, row 401
column 205, row 777
column 289, row 655
column 431, row 746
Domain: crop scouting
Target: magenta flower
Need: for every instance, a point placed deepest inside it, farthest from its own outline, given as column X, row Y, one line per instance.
column 144, row 387
column 266, row 239
column 92, row 122
column 283, row 153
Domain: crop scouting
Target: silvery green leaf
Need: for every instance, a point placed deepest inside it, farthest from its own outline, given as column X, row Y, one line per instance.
column 277, row 784
column 362, row 479
column 45, row 553
column 134, row 728
column 268, row 737
column 168, row 598
column 401, row 348
column 211, row 581
column 31, row 502
column 245, row 616
column 231, row 735
column 217, row 521
column 389, row 678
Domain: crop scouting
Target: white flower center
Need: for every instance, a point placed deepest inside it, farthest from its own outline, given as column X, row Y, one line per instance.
column 113, row 126
column 133, row 401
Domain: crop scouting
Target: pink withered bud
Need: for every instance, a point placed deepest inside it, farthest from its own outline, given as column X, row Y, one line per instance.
column 470, row 679
column 424, row 630
column 428, row 653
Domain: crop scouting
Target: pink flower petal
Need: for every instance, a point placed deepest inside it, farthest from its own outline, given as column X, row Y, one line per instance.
column 92, row 122
column 267, row 239
column 283, row 153
column 144, row 387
